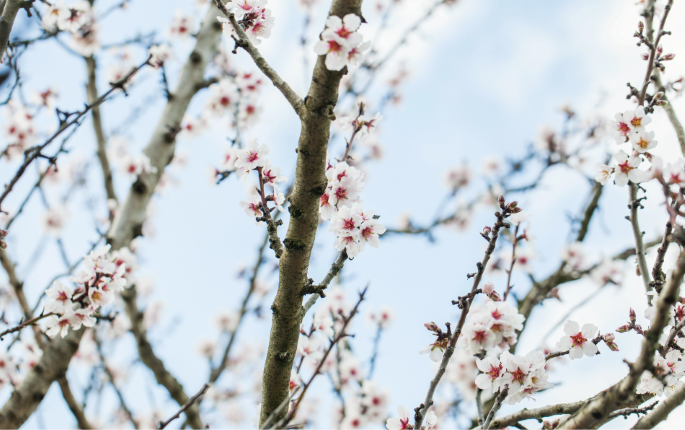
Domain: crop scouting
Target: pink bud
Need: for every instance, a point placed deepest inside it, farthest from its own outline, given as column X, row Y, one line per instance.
column 645, row 56
column 659, row 49
column 513, row 204
column 612, row 346
column 487, row 229
column 500, row 199
column 3, row 233
column 431, row 326
column 516, row 210
column 632, row 315
column 609, row 337
column 623, row 329
column 488, row 288
column 668, row 57
column 494, row 296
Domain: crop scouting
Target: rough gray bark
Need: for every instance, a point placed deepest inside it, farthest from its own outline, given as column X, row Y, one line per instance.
column 9, row 13
column 310, row 184
column 51, row 366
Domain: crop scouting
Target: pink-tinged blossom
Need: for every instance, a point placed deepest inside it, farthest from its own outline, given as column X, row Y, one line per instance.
column 401, row 422
column 255, row 18
column 251, row 157
column 272, row 175
column 350, row 368
column 608, row 271
column 370, row 231
column 134, row 166
column 252, row 206
column 340, row 42
column 458, row 177
column 60, row 324
column 54, row 220
column 643, row 140
column 159, row 54
column 578, row 340
column 84, row 317
column 183, row 25
column 59, row 298
column 435, row 350
column 222, row 98
column 627, row 169
column 227, row 321
column 603, row 173
column 323, row 323
column 627, row 122
column 45, row 98
column 229, row 159
column 574, row 256
column 492, row 372
column 86, row 40
column 637, row 119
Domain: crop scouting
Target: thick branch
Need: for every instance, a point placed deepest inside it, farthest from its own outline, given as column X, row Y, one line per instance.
column 148, row 357
column 538, row 414
column 310, row 184
column 51, row 366
column 624, row 391
column 665, row 407
column 9, row 13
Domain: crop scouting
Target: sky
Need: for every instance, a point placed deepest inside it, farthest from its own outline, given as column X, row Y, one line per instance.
column 485, row 78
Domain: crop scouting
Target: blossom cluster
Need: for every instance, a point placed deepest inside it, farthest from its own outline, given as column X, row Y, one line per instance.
column 253, row 16
column 402, row 420
column 340, row 42
column 524, row 375
column 18, row 129
column 629, row 126
column 79, row 20
column 666, row 374
column 253, row 157
column 96, row 285
column 491, row 327
column 234, row 95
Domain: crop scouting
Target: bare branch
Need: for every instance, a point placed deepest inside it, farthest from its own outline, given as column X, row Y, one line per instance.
column 195, row 398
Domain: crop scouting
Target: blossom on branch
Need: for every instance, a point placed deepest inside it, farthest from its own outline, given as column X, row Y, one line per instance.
column 340, row 42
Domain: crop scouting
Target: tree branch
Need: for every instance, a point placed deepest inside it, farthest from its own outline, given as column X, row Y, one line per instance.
column 310, row 184
column 623, row 392
column 9, row 13
column 190, row 403
column 245, row 43
column 92, row 90
column 665, row 407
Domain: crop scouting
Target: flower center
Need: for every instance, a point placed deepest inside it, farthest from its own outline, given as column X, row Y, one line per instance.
column 578, row 339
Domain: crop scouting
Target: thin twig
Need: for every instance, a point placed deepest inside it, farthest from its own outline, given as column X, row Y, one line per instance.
column 195, row 398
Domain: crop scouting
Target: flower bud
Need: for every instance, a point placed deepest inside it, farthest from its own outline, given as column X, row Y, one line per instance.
column 638, row 329
column 632, row 315
column 494, row 296
column 623, row 329
column 612, row 345
column 516, row 210
column 609, row 337
column 645, row 56
column 640, row 26
column 659, row 49
column 487, row 229
column 3, row 233
column 500, row 199
column 658, row 95
column 662, row 103
column 488, row 288
column 668, row 57
column 431, row 326
column 513, row 204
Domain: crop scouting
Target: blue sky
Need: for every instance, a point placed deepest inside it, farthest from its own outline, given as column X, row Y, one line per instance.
column 485, row 77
